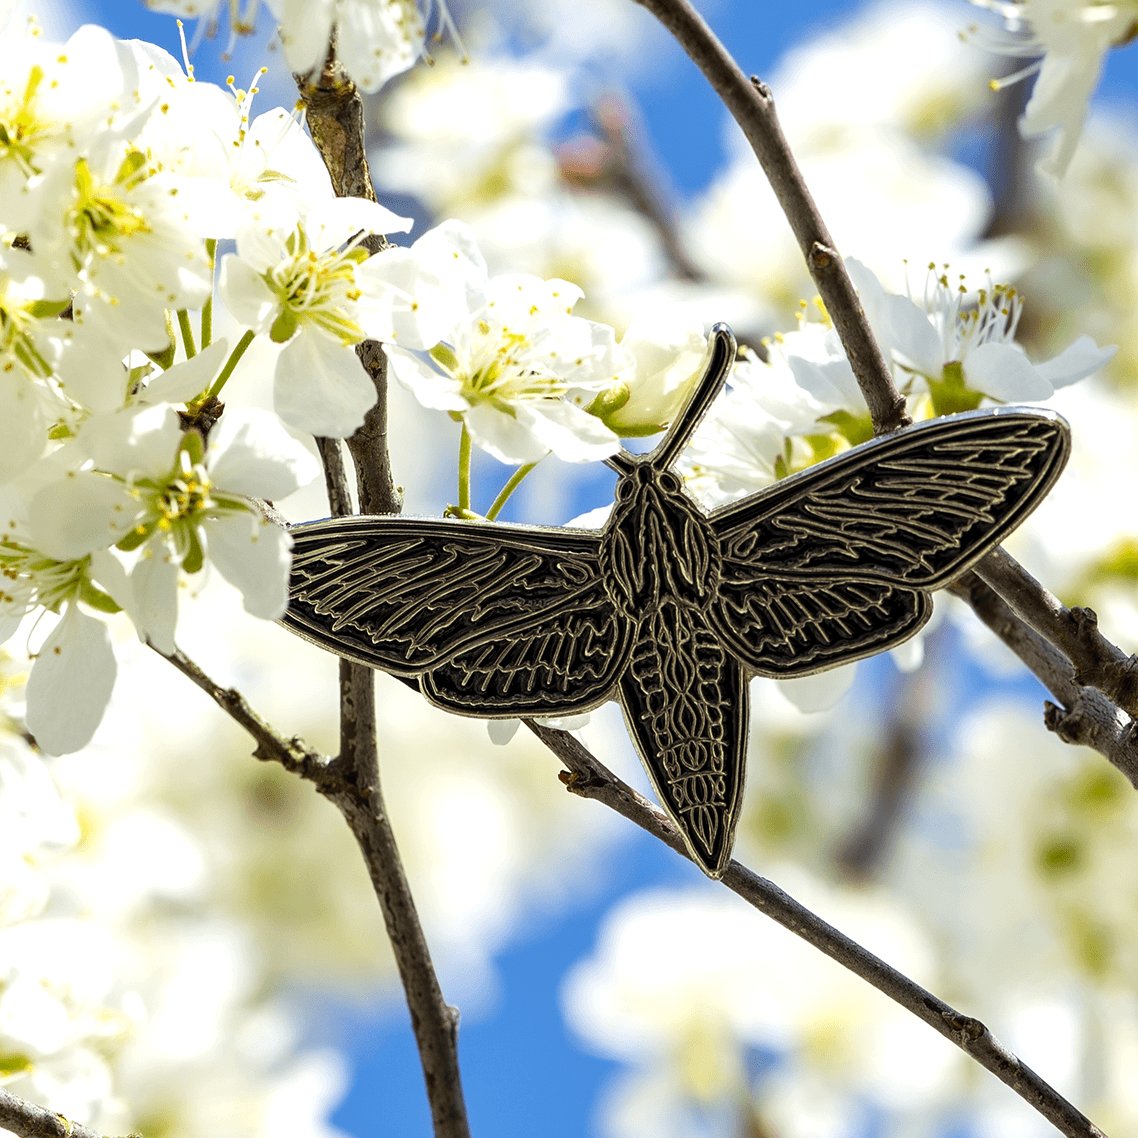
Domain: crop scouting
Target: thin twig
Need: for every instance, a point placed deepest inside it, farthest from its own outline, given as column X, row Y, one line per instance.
column 293, row 754
column 750, row 103
column 335, row 478
column 433, row 1021
column 31, row 1121
column 589, row 778
column 619, row 163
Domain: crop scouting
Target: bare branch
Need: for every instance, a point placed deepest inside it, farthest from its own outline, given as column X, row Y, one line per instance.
column 618, row 162
column 31, row 1121
column 335, row 479
column 368, row 446
column 1086, row 715
column 359, row 796
column 589, row 778
column 293, row 754
column 335, row 116
column 360, row 800
column 1098, row 663
column 752, row 106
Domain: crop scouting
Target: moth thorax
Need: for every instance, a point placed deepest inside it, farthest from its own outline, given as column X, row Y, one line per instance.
column 658, row 545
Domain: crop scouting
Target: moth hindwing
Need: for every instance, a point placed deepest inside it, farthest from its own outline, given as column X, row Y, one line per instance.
column 668, row 609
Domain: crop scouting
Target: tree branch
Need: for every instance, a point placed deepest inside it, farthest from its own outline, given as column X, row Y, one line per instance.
column 360, row 799
column 1086, row 715
column 751, row 105
column 335, row 119
column 293, row 754
column 588, row 777
column 1097, row 662
column 31, row 1121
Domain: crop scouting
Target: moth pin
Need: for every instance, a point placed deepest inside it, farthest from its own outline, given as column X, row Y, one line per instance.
column 670, row 609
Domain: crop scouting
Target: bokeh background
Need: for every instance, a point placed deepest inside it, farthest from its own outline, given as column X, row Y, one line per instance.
column 606, row 988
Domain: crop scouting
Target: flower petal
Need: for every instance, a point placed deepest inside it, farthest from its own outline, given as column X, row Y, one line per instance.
column 816, row 693
column 321, row 387
column 250, row 453
column 572, row 434
column 23, row 427
column 71, row 683
column 330, row 223
column 81, row 512
column 1004, row 373
column 189, row 378
column 432, row 389
column 154, row 583
column 252, row 554
column 1076, row 361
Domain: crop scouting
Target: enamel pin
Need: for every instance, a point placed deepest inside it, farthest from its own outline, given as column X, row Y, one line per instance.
column 668, row 609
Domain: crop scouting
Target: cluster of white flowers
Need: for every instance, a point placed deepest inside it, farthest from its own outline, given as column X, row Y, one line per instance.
column 113, row 486
column 375, row 39
column 118, row 176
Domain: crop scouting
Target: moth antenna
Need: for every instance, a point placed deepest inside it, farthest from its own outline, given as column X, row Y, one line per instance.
column 719, row 360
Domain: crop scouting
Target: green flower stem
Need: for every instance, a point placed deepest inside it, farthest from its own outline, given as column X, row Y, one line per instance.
column 187, row 333
column 514, row 482
column 464, row 470
column 231, row 363
column 207, row 308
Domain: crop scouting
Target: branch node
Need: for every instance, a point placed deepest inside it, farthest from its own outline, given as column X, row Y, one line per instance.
column 761, row 89
column 968, row 1028
column 1070, row 726
column 822, row 257
column 579, row 782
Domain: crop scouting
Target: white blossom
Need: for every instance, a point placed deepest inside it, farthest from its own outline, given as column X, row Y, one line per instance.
column 30, row 404
column 224, row 163
column 155, row 490
column 377, row 39
column 519, row 369
column 1072, row 37
column 300, row 283
column 668, row 348
column 53, row 98
column 129, row 240
column 953, row 341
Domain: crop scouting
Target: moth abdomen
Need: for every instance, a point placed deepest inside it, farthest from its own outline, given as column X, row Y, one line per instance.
column 682, row 693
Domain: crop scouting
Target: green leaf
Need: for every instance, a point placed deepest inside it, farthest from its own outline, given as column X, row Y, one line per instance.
column 855, row 429
column 41, row 309
column 444, row 357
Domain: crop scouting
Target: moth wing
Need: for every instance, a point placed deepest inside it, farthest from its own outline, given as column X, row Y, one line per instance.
column 493, row 619
column 833, row 564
